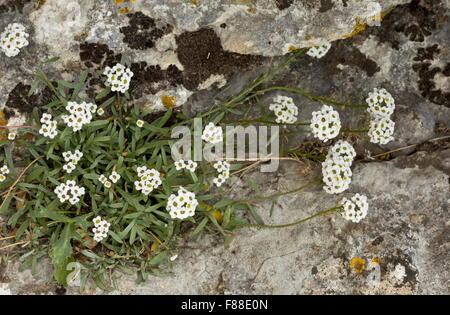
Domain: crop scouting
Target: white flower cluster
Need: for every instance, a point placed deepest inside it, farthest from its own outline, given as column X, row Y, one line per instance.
column 342, row 149
column 119, row 78
column 149, row 179
column 113, row 178
column 381, row 103
column 223, row 168
column 48, row 128
column 319, row 51
column 13, row 39
column 101, row 228
column 189, row 165
column 212, row 134
column 337, row 175
column 71, row 159
column 12, row 136
column 285, row 109
column 325, row 124
column 80, row 114
column 381, row 130
column 336, row 171
column 381, row 107
column 69, row 191
column 182, row 205
column 355, row 209
column 4, row 170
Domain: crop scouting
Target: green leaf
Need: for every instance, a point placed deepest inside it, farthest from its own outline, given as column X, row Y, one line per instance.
column 200, row 227
column 61, row 254
column 158, row 258
column 223, row 203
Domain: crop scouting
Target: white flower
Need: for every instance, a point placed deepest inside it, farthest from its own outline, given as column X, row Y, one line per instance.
column 212, row 134
column 221, row 166
column 119, row 78
column 107, row 184
column 319, row 51
column 325, row 124
column 2, row 178
column 218, row 181
column 173, row 257
column 182, row 205
column 4, row 170
column 191, row 166
column 69, row 191
column 46, row 118
column 13, row 39
column 381, row 103
column 381, row 130
column 69, row 167
column 11, row 136
column 355, row 209
column 141, row 171
column 102, row 179
column 114, row 177
column 140, row 123
column 284, row 109
column 179, row 165
column 97, row 221
column 100, row 111
column 343, row 149
column 337, row 175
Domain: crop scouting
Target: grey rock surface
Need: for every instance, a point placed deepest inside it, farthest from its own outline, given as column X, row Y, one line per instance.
column 190, row 50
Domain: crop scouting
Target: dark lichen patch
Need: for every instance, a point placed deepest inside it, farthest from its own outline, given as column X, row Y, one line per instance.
column 343, row 52
column 97, row 55
column 325, row 5
column 13, row 5
column 18, row 98
column 427, row 73
column 415, row 20
column 283, row 4
column 151, row 79
column 142, row 32
column 202, row 55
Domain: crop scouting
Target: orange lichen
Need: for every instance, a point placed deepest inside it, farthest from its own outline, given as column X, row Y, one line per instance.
column 375, row 261
column 217, row 214
column 292, row 48
column 361, row 26
column 168, row 101
column 357, row 264
column 3, row 122
column 124, row 10
column 195, row 2
column 119, row 1
column 309, row 37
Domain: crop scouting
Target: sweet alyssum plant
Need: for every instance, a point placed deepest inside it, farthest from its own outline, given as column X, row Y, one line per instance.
column 97, row 185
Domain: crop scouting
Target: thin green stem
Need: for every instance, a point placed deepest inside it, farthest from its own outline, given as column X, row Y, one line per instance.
column 239, row 99
column 316, row 181
column 306, row 94
column 355, row 131
column 263, row 226
column 247, row 121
